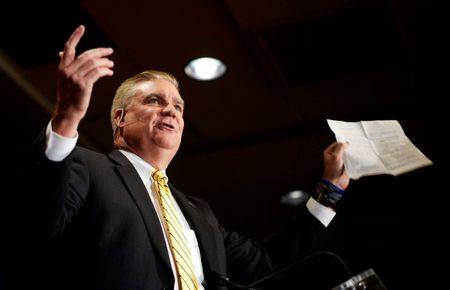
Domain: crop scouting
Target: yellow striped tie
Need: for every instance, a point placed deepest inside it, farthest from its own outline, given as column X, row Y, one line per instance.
column 177, row 240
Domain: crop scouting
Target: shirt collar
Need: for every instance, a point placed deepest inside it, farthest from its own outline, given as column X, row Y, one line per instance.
column 142, row 167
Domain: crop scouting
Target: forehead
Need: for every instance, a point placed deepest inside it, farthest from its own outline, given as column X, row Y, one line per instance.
column 160, row 87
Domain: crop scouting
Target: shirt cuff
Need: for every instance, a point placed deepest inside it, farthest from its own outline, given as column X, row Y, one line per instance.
column 324, row 214
column 58, row 147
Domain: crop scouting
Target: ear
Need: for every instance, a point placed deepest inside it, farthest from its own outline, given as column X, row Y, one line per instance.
column 119, row 117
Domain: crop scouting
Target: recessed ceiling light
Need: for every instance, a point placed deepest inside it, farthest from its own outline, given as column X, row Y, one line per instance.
column 295, row 197
column 205, row 68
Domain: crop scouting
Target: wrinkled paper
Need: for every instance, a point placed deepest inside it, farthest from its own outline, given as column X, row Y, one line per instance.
column 377, row 147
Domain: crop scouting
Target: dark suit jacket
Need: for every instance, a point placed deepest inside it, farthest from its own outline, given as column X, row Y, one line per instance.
column 94, row 212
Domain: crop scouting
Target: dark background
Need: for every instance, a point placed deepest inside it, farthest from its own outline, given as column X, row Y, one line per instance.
column 259, row 131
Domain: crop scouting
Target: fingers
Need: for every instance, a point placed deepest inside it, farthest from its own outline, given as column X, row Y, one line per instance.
column 340, row 147
column 101, row 68
column 334, row 170
column 68, row 55
column 78, row 74
column 69, row 52
column 336, row 148
column 97, row 52
column 90, row 59
column 90, row 66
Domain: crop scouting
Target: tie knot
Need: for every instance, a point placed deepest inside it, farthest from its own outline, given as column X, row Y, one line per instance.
column 159, row 176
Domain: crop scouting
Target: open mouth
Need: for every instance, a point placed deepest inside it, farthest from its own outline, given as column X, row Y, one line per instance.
column 164, row 125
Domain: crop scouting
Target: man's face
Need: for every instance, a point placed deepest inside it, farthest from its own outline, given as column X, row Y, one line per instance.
column 154, row 117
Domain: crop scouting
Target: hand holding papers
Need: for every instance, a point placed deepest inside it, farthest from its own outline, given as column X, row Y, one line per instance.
column 377, row 147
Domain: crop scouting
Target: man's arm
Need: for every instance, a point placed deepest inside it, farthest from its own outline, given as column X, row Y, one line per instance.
column 43, row 183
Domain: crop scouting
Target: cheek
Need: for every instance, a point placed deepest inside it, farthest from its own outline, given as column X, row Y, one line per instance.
column 181, row 122
column 137, row 121
column 144, row 116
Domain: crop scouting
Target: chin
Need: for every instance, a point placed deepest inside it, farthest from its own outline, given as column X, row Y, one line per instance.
column 168, row 144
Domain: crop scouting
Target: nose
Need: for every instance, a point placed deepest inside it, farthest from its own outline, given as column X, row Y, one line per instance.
column 168, row 110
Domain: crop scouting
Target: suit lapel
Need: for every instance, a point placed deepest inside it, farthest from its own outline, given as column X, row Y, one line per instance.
column 139, row 194
column 205, row 233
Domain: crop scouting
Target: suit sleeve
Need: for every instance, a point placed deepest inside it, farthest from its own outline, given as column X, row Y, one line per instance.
column 248, row 260
column 52, row 192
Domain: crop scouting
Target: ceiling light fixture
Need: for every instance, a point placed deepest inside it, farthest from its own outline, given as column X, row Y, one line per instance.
column 205, row 69
column 295, row 197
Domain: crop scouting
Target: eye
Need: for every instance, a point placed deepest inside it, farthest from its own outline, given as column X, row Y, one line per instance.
column 154, row 100
column 179, row 108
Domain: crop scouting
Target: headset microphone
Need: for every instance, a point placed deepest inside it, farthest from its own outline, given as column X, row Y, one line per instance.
column 122, row 114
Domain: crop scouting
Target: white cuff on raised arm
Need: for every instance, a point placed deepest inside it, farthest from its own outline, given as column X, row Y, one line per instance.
column 324, row 214
column 58, row 147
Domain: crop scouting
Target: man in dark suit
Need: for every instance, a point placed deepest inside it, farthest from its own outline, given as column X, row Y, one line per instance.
column 100, row 213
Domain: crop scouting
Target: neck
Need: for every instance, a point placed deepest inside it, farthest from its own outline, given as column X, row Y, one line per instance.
column 159, row 158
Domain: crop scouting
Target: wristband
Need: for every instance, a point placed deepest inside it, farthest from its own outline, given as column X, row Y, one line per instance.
column 327, row 193
column 332, row 187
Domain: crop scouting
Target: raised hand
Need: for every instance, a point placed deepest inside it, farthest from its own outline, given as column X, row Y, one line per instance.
column 334, row 170
column 75, row 80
